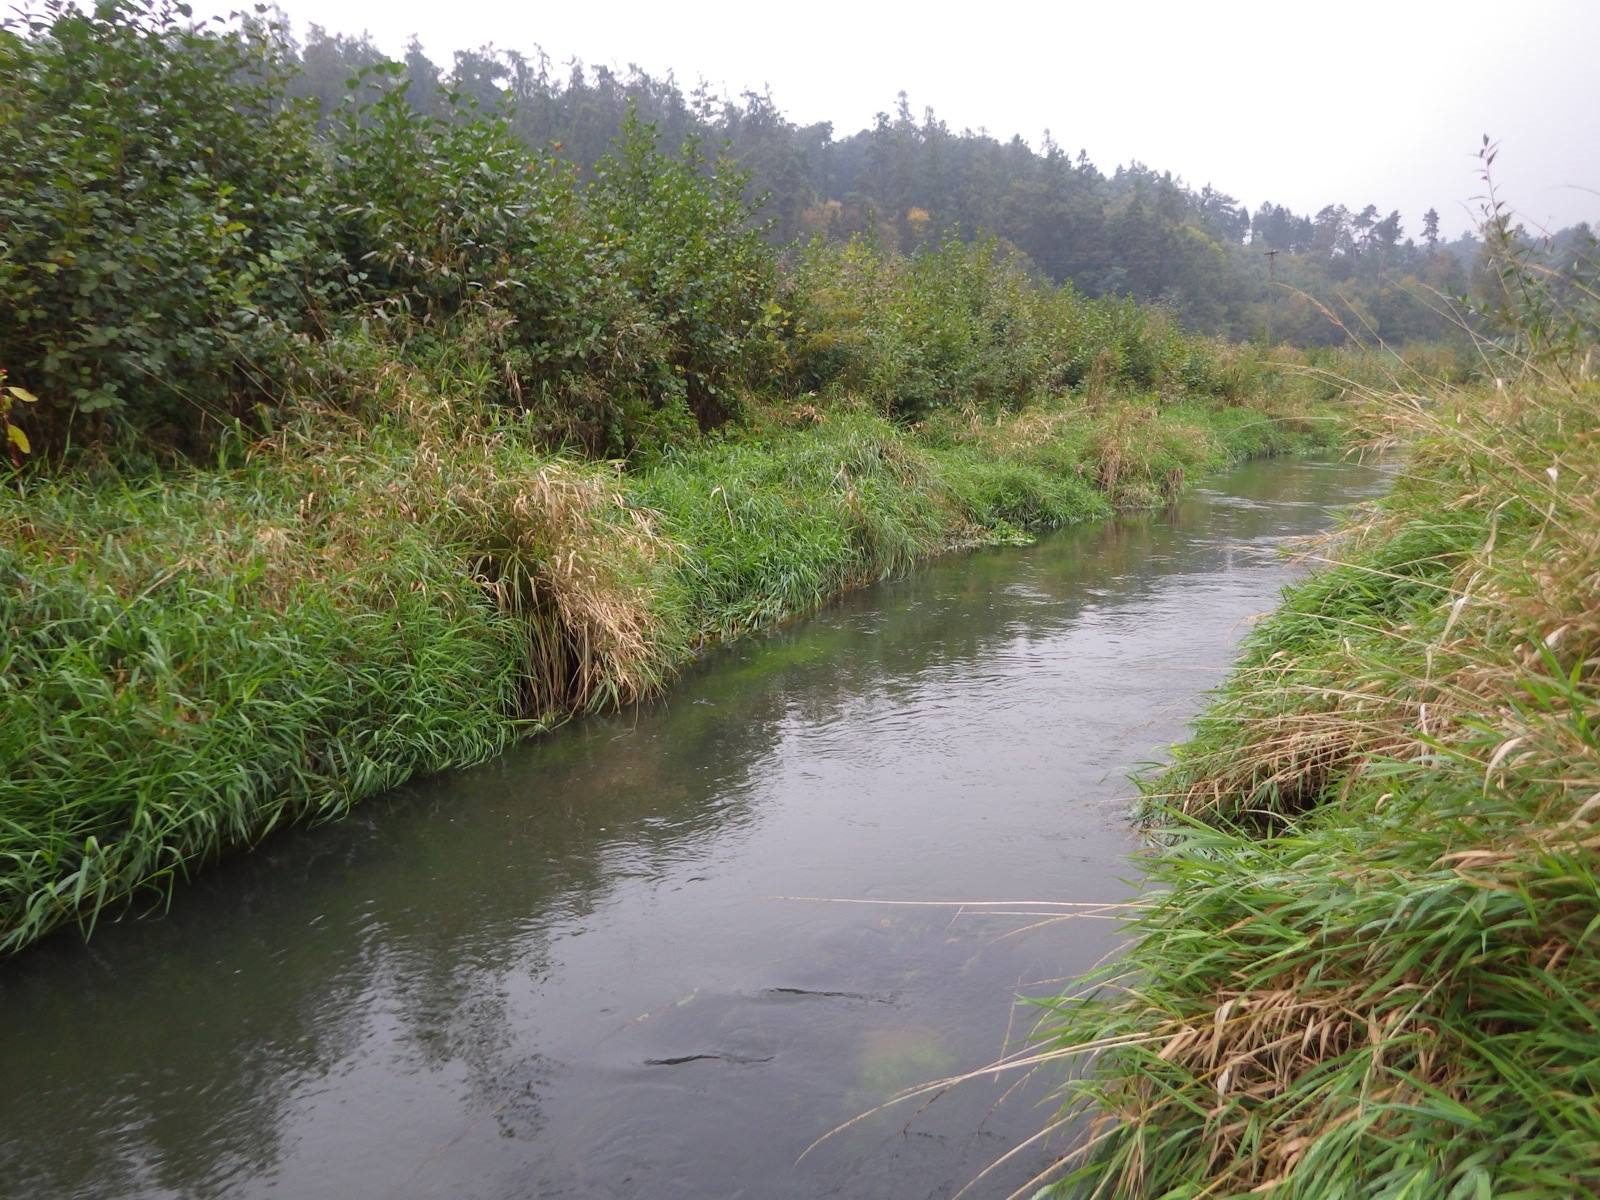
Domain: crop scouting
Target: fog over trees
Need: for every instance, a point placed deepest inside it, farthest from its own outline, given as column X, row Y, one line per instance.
column 911, row 181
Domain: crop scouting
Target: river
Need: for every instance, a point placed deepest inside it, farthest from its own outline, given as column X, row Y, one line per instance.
column 589, row 968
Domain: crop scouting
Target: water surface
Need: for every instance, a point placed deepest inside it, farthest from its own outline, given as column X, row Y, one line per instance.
column 580, row 971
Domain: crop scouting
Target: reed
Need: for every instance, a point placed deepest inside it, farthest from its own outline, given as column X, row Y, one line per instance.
column 1369, row 965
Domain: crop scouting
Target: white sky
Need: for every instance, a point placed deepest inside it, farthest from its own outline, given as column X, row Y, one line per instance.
column 1353, row 102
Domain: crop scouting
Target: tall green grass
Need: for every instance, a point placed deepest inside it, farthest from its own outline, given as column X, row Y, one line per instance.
column 190, row 661
column 1368, row 963
column 168, row 690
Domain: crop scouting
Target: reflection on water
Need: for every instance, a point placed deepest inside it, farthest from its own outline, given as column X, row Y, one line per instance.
column 570, row 972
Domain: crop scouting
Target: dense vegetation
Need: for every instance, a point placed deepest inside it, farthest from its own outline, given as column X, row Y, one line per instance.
column 362, row 425
column 171, row 266
column 190, row 660
column 366, row 438
column 187, row 245
column 1368, row 966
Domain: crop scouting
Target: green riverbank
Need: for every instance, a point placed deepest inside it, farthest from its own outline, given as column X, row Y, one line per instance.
column 1368, row 964
column 191, row 660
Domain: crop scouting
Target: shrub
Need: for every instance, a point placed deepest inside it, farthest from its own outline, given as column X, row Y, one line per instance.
column 463, row 234
column 968, row 325
column 163, row 219
column 685, row 241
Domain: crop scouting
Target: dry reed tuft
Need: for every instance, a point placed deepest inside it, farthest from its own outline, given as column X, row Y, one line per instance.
column 553, row 544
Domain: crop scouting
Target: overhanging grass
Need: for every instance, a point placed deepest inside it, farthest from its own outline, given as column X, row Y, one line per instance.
column 189, row 662
column 1369, row 961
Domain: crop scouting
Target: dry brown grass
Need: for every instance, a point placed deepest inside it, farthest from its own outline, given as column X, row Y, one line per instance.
column 553, row 543
column 1298, row 724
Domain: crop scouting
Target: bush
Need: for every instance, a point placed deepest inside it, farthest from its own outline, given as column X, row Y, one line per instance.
column 177, row 231
column 968, row 326
column 163, row 223
column 685, row 241
column 462, row 234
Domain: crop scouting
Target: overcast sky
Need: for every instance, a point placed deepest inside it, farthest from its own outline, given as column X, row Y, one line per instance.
column 1302, row 104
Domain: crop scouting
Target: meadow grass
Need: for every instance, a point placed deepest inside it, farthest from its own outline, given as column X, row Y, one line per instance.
column 192, row 660
column 1367, row 965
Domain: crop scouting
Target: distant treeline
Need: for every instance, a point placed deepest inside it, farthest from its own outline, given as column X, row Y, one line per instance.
column 909, row 182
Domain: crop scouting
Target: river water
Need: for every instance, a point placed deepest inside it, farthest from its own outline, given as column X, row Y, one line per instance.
column 586, row 969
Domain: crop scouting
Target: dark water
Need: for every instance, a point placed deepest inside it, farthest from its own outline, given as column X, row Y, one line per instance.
column 567, row 973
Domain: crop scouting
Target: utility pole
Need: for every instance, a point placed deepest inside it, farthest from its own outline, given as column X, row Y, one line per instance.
column 1272, row 291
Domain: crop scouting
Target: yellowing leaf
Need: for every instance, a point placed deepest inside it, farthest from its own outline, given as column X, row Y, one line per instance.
column 23, row 394
column 18, row 439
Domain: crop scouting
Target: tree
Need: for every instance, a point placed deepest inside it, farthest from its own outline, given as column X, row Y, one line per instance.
column 1363, row 223
column 327, row 64
column 1387, row 232
column 422, row 78
column 1430, row 228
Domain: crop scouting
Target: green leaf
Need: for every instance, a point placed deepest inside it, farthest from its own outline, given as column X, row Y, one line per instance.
column 96, row 401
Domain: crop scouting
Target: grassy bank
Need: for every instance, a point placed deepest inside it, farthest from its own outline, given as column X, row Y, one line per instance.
column 1368, row 965
column 189, row 660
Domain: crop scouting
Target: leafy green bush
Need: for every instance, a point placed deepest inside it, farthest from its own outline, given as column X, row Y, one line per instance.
column 161, row 231
column 461, row 233
column 967, row 325
column 622, row 314
column 176, row 231
column 684, row 239
column 944, row 327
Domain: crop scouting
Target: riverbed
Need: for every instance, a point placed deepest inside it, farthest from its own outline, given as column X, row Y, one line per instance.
column 659, row 954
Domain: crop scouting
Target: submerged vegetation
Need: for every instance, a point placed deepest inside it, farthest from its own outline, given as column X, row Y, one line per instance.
column 1368, row 965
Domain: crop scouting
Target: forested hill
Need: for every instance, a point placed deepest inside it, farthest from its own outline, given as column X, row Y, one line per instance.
column 910, row 181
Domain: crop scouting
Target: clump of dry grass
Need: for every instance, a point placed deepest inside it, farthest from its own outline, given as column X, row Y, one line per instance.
column 555, row 544
column 1435, row 605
